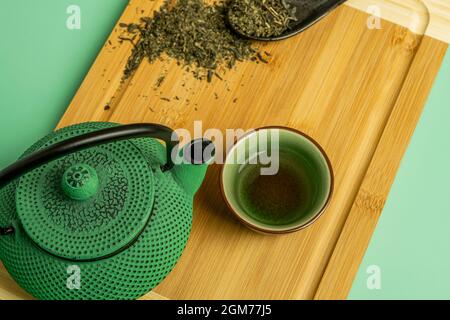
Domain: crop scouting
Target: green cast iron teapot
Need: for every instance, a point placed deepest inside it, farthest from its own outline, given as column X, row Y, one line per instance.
column 98, row 210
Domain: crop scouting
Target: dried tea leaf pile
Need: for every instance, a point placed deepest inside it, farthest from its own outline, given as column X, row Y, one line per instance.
column 261, row 18
column 193, row 33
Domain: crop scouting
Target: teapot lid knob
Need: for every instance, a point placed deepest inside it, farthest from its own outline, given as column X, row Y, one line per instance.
column 80, row 182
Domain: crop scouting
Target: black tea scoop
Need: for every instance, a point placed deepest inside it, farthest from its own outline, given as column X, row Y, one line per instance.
column 305, row 13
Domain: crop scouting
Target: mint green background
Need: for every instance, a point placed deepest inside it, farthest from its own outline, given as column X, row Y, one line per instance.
column 42, row 64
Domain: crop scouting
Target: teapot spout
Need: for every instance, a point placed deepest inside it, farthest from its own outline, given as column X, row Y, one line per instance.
column 195, row 158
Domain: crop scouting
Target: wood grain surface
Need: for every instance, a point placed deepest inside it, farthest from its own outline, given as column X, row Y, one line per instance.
column 358, row 92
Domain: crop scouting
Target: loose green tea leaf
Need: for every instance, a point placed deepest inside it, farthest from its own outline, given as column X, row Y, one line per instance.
column 261, row 18
column 160, row 80
column 194, row 34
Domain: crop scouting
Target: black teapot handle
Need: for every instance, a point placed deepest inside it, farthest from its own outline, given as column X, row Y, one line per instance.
column 86, row 141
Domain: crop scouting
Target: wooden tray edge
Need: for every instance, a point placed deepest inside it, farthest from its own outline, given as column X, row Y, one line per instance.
column 369, row 202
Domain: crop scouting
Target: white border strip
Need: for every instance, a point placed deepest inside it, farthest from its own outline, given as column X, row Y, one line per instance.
column 430, row 17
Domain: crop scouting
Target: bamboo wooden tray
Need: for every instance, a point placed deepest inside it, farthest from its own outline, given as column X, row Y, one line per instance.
column 358, row 91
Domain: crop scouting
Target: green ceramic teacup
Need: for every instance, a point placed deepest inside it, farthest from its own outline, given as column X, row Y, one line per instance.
column 277, row 180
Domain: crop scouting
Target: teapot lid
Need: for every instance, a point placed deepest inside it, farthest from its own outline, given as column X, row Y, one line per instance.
column 88, row 205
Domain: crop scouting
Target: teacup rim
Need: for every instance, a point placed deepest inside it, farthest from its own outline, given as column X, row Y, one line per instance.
column 296, row 228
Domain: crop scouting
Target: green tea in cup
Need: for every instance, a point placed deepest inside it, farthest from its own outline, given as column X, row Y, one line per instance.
column 277, row 180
